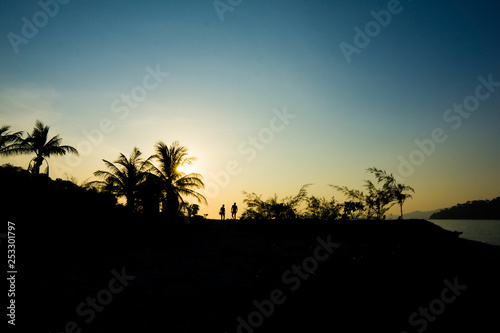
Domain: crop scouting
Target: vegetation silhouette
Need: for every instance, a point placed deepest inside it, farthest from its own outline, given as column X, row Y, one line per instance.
column 8, row 140
column 39, row 143
column 191, row 209
column 374, row 204
column 397, row 189
column 377, row 201
column 125, row 179
column 273, row 208
column 471, row 210
column 224, row 270
column 56, row 200
column 174, row 183
column 152, row 189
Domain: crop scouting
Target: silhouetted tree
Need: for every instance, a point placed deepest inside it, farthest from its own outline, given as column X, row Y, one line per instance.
column 356, row 204
column 320, row 208
column 350, row 209
column 150, row 195
column 397, row 189
column 272, row 208
column 194, row 209
column 401, row 196
column 38, row 143
column 125, row 177
column 379, row 199
column 175, row 183
column 190, row 209
column 8, row 140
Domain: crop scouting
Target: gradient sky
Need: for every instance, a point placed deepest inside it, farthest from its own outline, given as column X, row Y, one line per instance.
column 228, row 79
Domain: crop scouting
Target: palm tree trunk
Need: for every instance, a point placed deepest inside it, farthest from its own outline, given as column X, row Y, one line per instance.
column 37, row 165
column 401, row 206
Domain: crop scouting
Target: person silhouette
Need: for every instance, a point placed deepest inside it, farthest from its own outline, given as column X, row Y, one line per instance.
column 234, row 210
column 222, row 212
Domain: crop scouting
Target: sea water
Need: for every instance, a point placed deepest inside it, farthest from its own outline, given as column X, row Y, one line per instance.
column 479, row 230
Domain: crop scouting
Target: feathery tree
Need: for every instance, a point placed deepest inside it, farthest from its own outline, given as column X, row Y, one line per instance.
column 379, row 199
column 357, row 204
column 125, row 177
column 9, row 140
column 174, row 183
column 350, row 209
column 37, row 142
column 320, row 208
column 397, row 189
column 273, row 208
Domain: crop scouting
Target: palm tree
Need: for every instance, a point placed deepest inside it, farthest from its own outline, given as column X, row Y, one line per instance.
column 175, row 183
column 126, row 177
column 8, row 140
column 37, row 142
column 400, row 196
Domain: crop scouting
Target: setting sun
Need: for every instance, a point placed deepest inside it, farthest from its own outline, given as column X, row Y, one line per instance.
column 185, row 169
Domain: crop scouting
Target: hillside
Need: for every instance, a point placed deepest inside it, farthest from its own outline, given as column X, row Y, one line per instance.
column 209, row 275
column 97, row 269
column 471, row 210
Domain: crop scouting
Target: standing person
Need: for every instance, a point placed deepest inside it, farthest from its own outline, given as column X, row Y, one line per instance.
column 234, row 210
column 222, row 213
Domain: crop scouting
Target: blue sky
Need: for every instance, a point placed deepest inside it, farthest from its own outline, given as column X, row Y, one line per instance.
column 225, row 78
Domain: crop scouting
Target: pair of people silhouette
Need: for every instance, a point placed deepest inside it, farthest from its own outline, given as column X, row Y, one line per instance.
column 234, row 210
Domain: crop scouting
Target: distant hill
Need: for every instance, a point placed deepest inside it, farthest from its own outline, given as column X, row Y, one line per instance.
column 420, row 215
column 471, row 210
column 415, row 215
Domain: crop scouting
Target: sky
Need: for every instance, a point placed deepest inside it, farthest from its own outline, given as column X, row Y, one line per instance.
column 268, row 95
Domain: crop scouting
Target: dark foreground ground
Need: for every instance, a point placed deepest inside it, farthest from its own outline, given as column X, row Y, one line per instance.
column 203, row 277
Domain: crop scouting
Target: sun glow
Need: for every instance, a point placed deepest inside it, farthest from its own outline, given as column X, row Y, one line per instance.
column 186, row 169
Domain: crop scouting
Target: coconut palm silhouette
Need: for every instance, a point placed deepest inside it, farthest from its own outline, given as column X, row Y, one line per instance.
column 400, row 196
column 9, row 140
column 175, row 183
column 37, row 142
column 125, row 176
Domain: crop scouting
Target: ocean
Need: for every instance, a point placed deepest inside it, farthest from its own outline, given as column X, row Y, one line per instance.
column 479, row 230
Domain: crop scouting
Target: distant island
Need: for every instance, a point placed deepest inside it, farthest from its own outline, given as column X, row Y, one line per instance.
column 471, row 210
